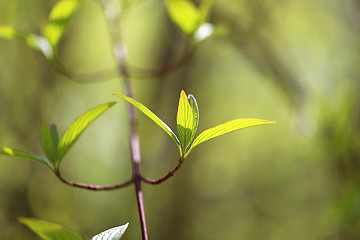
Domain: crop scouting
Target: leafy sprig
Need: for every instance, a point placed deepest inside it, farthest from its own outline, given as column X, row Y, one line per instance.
column 188, row 121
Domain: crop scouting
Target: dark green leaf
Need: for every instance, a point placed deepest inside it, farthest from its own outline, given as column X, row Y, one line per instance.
column 58, row 20
column 54, row 135
column 78, row 126
column 49, row 231
column 49, row 143
column 225, row 128
column 112, row 233
column 152, row 116
column 18, row 153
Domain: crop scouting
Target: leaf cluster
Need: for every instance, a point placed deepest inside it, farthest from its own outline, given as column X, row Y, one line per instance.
column 188, row 121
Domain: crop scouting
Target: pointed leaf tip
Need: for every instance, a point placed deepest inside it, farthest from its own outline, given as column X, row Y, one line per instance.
column 18, row 153
column 186, row 121
column 225, row 128
column 78, row 127
column 49, row 142
column 112, row 234
column 150, row 115
column 48, row 230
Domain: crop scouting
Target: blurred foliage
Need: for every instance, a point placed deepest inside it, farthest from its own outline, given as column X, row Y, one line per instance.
column 295, row 62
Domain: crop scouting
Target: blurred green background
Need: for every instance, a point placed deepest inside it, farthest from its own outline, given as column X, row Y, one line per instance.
column 295, row 62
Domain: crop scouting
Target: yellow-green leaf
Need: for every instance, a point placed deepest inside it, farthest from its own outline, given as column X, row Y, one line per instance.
column 49, row 231
column 225, row 128
column 185, row 15
column 151, row 115
column 78, row 126
column 186, row 122
column 13, row 152
column 59, row 18
column 32, row 40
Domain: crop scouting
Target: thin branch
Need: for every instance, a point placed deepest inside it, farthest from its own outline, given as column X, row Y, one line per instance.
column 95, row 187
column 121, row 57
column 136, row 72
column 166, row 177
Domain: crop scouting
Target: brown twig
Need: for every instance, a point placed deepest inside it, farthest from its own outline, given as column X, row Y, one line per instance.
column 95, row 187
column 166, row 177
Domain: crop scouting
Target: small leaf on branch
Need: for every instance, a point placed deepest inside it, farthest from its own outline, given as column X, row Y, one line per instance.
column 151, row 115
column 49, row 142
column 185, row 15
column 186, row 121
column 49, row 231
column 32, row 40
column 78, row 127
column 59, row 18
column 112, row 233
column 13, row 152
column 225, row 128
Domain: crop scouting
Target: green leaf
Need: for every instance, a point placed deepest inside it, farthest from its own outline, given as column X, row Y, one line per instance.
column 32, row 40
column 78, row 126
column 49, row 231
column 195, row 108
column 49, row 142
column 185, row 15
column 152, row 116
column 186, row 121
column 205, row 7
column 54, row 135
column 112, row 233
column 13, row 152
column 59, row 18
column 225, row 128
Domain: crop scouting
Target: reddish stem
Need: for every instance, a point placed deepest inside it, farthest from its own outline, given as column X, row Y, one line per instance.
column 95, row 187
column 166, row 177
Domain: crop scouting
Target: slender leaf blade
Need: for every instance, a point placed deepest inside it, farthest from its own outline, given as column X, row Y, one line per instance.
column 151, row 115
column 195, row 108
column 225, row 128
column 185, row 121
column 59, row 18
column 32, row 40
column 49, row 144
column 112, row 233
column 49, row 231
column 18, row 153
column 54, row 135
column 185, row 15
column 78, row 127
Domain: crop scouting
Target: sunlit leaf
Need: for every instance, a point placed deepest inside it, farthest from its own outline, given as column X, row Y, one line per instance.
column 185, row 15
column 112, row 233
column 32, row 40
column 225, row 128
column 49, row 143
column 18, row 153
column 58, row 20
column 186, row 122
column 78, row 126
column 151, row 115
column 49, row 231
